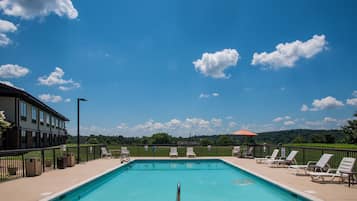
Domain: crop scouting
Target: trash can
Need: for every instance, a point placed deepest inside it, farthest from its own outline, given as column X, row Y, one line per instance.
column 33, row 167
column 71, row 161
column 62, row 162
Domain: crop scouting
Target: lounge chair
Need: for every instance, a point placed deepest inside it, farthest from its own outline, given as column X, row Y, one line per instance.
column 173, row 152
column 190, row 152
column 272, row 157
column 283, row 162
column 124, row 154
column 248, row 153
column 105, row 153
column 313, row 166
column 346, row 165
column 236, row 151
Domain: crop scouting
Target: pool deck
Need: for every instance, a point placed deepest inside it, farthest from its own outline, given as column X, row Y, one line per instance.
column 52, row 182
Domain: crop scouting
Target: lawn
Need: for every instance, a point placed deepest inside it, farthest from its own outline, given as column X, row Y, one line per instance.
column 320, row 145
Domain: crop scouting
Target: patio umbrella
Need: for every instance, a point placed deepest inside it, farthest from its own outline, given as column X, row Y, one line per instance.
column 243, row 132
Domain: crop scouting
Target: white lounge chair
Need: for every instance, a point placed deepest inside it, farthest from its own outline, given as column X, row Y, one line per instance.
column 236, row 151
column 190, row 152
column 272, row 157
column 283, row 162
column 173, row 152
column 105, row 153
column 314, row 166
column 346, row 165
column 124, row 154
column 248, row 153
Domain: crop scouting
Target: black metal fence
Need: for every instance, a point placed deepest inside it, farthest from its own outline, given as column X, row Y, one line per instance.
column 304, row 155
column 13, row 162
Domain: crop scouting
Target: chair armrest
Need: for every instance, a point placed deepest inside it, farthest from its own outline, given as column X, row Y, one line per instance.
column 309, row 163
column 331, row 170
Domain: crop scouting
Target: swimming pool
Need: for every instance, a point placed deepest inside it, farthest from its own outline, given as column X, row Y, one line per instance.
column 200, row 180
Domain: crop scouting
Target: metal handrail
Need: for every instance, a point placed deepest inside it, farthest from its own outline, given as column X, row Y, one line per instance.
column 178, row 195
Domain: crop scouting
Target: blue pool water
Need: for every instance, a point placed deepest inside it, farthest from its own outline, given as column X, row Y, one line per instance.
column 156, row 180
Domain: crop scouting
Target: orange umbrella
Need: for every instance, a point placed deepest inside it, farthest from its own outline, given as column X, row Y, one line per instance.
column 244, row 133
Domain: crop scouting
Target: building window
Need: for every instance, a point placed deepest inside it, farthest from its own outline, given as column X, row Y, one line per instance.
column 34, row 114
column 47, row 119
column 53, row 122
column 23, row 110
column 42, row 117
column 23, row 137
column 58, row 123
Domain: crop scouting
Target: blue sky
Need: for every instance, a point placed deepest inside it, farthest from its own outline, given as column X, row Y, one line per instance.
column 202, row 67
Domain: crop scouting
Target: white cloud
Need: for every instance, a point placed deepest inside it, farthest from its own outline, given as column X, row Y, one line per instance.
column 122, row 126
column 55, row 78
column 38, row 8
column 67, row 100
column 280, row 119
column 354, row 93
column 232, row 124
column 216, row 122
column 74, row 85
column 173, row 123
column 287, row 54
column 214, row 64
column 6, row 27
column 329, row 119
column 13, row 71
column 304, row 108
column 50, row 98
column 10, row 84
column 352, row 101
column 328, row 102
column 289, row 123
column 203, row 95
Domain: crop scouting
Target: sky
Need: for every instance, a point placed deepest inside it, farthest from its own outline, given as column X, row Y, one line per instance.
column 185, row 67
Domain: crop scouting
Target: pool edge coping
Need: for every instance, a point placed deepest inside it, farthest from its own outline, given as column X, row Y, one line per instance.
column 283, row 186
column 287, row 188
column 67, row 190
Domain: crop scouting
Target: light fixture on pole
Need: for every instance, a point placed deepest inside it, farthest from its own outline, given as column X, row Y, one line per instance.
column 78, row 143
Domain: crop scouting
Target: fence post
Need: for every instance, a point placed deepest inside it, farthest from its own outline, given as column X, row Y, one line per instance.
column 54, row 158
column 87, row 152
column 94, row 152
column 43, row 160
column 23, row 165
column 303, row 156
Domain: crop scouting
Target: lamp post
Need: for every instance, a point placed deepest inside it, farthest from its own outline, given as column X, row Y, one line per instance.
column 78, row 143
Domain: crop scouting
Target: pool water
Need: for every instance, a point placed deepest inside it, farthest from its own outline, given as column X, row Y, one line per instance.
column 200, row 180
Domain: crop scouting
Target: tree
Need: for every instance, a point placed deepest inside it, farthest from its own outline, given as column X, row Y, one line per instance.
column 92, row 140
column 224, row 140
column 330, row 139
column 205, row 142
column 317, row 138
column 4, row 125
column 298, row 139
column 161, row 138
column 350, row 130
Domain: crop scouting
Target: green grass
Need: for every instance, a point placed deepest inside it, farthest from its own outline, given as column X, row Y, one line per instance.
column 163, row 151
column 320, row 145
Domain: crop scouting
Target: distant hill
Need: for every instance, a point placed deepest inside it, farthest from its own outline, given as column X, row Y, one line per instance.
column 274, row 137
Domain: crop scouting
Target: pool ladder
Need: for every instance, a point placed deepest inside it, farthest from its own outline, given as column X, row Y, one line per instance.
column 178, row 194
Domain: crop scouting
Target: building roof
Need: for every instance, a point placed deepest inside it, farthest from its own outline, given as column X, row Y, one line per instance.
column 6, row 90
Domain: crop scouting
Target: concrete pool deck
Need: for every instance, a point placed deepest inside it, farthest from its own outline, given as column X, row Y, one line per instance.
column 52, row 182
